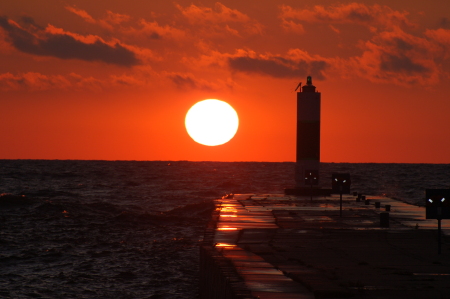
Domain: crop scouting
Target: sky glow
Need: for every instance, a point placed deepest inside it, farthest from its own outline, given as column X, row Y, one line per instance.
column 114, row 81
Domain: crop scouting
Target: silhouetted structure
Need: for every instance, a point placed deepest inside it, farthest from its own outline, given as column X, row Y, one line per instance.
column 308, row 132
column 308, row 140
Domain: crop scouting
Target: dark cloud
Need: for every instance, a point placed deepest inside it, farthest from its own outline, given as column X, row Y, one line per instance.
column 360, row 16
column 401, row 64
column 184, row 82
column 402, row 44
column 444, row 23
column 65, row 46
column 30, row 21
column 155, row 35
column 278, row 67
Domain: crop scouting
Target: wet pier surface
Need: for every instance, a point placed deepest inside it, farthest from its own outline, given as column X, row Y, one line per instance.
column 279, row 246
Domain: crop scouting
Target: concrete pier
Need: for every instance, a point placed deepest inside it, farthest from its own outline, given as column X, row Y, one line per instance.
column 280, row 246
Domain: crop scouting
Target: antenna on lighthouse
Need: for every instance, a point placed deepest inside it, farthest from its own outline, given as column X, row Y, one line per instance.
column 298, row 86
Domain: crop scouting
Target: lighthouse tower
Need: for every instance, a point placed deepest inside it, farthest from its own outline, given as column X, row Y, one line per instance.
column 308, row 136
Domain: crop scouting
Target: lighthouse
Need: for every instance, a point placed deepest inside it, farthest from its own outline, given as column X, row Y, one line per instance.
column 308, row 136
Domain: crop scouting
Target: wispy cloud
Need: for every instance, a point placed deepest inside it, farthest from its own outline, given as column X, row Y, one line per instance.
column 81, row 13
column 155, row 31
column 130, row 29
column 372, row 16
column 221, row 19
column 109, row 21
column 185, row 81
column 441, row 38
column 296, row 63
column 32, row 81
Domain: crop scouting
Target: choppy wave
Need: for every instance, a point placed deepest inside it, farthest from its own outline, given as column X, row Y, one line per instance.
column 129, row 229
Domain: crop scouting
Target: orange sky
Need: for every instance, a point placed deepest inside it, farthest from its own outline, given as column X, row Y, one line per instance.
column 113, row 80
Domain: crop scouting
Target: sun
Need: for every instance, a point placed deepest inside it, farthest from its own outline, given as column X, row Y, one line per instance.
column 211, row 122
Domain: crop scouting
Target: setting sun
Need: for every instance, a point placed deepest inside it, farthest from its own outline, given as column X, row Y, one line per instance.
column 211, row 122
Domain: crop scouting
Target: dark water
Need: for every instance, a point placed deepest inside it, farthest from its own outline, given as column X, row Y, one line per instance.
column 128, row 229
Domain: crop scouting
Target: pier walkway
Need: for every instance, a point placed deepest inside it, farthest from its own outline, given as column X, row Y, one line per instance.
column 279, row 246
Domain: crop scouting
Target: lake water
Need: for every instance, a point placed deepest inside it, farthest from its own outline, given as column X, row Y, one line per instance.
column 131, row 229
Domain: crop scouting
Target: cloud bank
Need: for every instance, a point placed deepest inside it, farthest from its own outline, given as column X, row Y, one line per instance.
column 56, row 43
column 194, row 45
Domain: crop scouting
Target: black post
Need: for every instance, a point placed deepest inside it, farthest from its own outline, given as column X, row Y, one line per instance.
column 439, row 236
column 340, row 183
column 311, row 177
column 437, row 203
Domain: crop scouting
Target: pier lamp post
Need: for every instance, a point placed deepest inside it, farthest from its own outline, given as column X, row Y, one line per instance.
column 311, row 178
column 437, row 207
column 340, row 183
